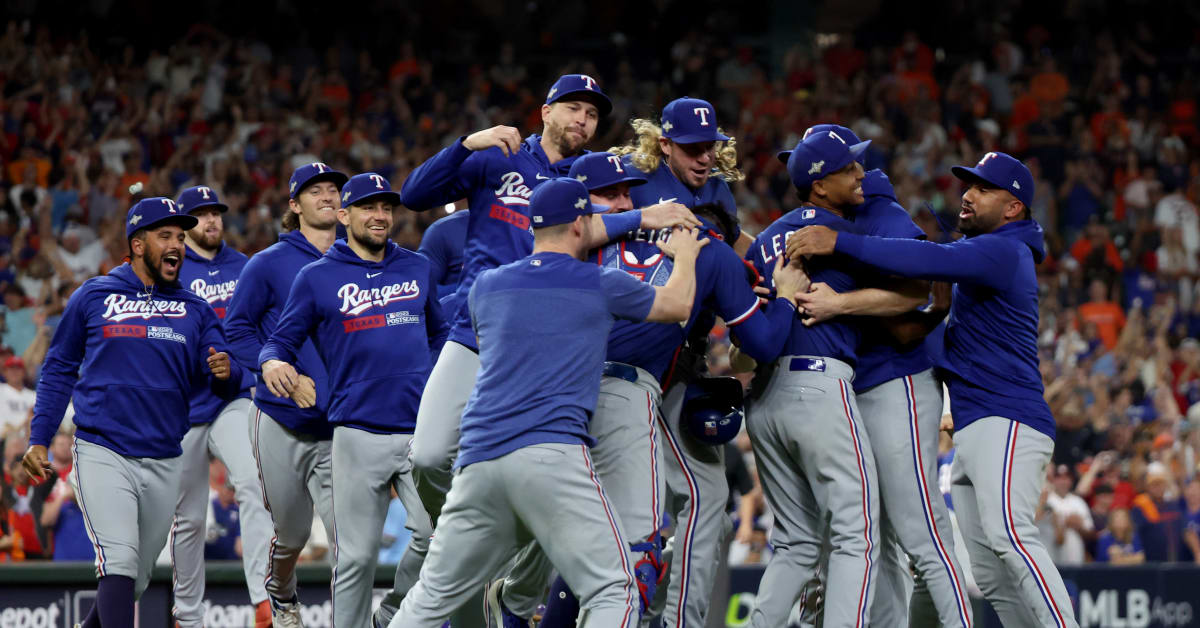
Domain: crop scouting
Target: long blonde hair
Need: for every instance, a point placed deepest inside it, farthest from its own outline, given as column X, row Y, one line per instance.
column 646, row 154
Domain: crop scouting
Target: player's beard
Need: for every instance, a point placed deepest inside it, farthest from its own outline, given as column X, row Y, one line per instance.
column 368, row 239
column 205, row 240
column 568, row 144
column 154, row 266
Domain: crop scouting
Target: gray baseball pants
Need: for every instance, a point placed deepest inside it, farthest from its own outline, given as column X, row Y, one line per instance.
column 629, row 463
column 127, row 505
column 296, row 472
column 999, row 468
column 902, row 419
column 435, row 441
column 548, row 493
column 365, row 467
column 228, row 437
column 816, row 465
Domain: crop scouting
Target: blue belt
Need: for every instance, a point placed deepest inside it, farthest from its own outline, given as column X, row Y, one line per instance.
column 621, row 371
column 807, row 364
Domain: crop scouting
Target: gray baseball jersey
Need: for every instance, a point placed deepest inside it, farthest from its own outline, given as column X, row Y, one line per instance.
column 228, row 437
column 815, row 462
column 999, row 469
column 296, row 472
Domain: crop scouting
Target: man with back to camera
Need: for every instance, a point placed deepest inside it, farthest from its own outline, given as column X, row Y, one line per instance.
column 218, row 425
column 628, row 454
column 1004, row 431
column 371, row 308
column 541, row 323
column 497, row 172
column 291, row 437
column 130, row 421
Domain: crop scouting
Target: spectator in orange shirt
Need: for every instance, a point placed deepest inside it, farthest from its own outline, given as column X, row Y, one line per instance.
column 1106, row 315
column 1049, row 85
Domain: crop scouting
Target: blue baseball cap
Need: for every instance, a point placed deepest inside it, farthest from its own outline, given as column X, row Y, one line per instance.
column 600, row 170
column 558, row 201
column 582, row 87
column 691, row 120
column 199, row 197
column 820, row 154
column 154, row 211
column 308, row 174
column 843, row 132
column 368, row 186
column 1003, row 171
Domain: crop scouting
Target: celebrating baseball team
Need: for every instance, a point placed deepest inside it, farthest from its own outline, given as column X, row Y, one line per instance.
column 545, row 415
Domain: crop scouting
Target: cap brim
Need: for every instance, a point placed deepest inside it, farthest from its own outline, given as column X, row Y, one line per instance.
column 971, row 175
column 186, row 222
column 858, row 149
column 631, row 179
column 783, row 156
column 696, row 138
column 221, row 207
column 338, row 179
column 393, row 197
column 602, row 102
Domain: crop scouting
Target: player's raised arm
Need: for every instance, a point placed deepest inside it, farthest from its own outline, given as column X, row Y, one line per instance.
column 449, row 174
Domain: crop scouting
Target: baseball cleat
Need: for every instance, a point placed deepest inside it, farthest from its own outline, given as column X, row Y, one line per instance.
column 286, row 614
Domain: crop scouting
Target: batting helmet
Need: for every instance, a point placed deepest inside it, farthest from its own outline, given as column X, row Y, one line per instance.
column 712, row 409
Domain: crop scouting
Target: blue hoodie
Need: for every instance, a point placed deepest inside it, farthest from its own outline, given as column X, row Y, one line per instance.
column 375, row 324
column 990, row 359
column 253, row 313
column 214, row 280
column 880, row 359
column 129, row 358
column 497, row 189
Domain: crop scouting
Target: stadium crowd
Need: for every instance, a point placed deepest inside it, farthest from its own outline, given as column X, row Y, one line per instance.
column 1107, row 123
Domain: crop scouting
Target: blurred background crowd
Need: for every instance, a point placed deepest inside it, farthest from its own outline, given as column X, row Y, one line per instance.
column 1100, row 101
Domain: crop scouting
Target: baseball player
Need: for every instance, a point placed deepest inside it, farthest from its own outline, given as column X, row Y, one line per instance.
column 679, row 158
column 218, row 425
column 900, row 403
column 498, row 172
column 363, row 300
column 628, row 454
column 1004, row 431
column 814, row 457
column 291, row 436
column 443, row 244
column 131, row 347
column 541, row 324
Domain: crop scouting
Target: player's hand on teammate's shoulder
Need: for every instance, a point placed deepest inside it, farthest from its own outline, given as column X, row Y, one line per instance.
column 37, row 463
column 667, row 215
column 682, row 243
column 506, row 138
column 814, row 240
column 218, row 363
column 820, row 303
column 790, row 279
column 280, row 377
column 305, row 393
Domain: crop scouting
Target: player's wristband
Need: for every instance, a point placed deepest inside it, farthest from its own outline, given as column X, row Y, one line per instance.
column 620, row 224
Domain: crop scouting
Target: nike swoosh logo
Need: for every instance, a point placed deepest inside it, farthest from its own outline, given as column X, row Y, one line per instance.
column 213, row 272
column 369, row 275
column 666, row 200
column 539, row 177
